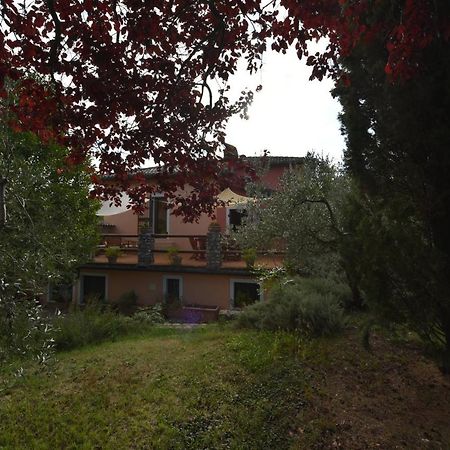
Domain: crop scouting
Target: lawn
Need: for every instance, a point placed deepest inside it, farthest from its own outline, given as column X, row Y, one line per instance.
column 214, row 387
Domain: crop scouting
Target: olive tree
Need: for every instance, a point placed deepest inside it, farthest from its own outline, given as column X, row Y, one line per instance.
column 305, row 218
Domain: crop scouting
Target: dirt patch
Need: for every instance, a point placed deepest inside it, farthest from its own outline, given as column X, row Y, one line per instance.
column 391, row 398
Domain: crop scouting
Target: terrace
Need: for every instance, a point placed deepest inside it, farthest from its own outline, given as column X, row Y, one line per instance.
column 182, row 251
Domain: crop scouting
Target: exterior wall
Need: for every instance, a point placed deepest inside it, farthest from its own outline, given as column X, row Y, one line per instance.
column 198, row 289
column 177, row 226
column 271, row 179
column 221, row 218
column 126, row 222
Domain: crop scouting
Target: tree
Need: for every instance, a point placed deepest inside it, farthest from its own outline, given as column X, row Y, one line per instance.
column 397, row 151
column 306, row 218
column 51, row 224
column 50, row 229
column 160, row 57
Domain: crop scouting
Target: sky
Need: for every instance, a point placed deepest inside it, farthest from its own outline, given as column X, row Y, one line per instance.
column 290, row 115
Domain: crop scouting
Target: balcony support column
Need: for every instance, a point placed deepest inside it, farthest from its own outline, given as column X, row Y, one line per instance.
column 214, row 247
column 146, row 242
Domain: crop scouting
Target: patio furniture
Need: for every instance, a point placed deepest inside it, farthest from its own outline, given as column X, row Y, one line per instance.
column 198, row 244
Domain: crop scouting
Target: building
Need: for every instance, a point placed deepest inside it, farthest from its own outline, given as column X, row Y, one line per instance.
column 163, row 258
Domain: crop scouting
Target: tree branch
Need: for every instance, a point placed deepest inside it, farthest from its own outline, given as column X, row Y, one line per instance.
column 325, row 202
column 57, row 40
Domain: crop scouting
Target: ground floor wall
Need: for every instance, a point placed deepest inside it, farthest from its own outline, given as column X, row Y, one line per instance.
column 152, row 287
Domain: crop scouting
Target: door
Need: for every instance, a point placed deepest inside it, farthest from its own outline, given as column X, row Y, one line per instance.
column 93, row 288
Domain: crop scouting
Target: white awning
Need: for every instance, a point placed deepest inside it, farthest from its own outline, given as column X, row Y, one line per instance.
column 108, row 207
column 231, row 198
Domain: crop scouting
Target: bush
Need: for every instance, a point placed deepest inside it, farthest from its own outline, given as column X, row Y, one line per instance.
column 97, row 323
column 302, row 305
column 93, row 323
column 326, row 286
column 126, row 303
column 25, row 332
column 151, row 315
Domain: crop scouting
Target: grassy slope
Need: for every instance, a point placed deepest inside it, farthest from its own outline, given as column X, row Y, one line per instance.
column 218, row 388
column 202, row 389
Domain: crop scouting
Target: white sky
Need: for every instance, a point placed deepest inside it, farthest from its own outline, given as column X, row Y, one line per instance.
column 291, row 115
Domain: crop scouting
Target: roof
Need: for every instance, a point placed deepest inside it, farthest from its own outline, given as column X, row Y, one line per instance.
column 271, row 160
column 276, row 160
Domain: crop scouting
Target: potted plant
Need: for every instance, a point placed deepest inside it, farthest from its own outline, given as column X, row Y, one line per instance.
column 112, row 253
column 249, row 256
column 174, row 257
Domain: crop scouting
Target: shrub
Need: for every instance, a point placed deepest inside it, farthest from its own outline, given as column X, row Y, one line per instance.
column 249, row 256
column 97, row 323
column 25, row 332
column 151, row 315
column 327, row 286
column 113, row 252
column 174, row 256
column 94, row 323
column 297, row 305
column 126, row 303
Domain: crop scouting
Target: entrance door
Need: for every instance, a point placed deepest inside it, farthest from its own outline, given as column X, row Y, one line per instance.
column 245, row 293
column 173, row 288
column 94, row 288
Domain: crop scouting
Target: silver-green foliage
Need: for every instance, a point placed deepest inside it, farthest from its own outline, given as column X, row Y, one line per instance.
column 310, row 306
column 51, row 225
column 25, row 331
column 50, row 229
column 304, row 217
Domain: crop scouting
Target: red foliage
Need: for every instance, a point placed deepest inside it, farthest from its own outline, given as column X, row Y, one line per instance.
column 126, row 80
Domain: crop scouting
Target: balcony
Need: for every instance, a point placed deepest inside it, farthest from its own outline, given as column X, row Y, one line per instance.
column 191, row 249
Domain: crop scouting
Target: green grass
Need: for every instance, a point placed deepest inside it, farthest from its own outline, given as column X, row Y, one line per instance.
column 172, row 389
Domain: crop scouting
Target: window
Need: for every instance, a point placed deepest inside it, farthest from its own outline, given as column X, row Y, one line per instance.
column 160, row 216
column 93, row 287
column 244, row 292
column 173, row 288
column 235, row 216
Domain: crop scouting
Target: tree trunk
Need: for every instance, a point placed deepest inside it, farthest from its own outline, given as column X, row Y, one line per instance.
column 2, row 202
column 353, row 282
column 445, row 368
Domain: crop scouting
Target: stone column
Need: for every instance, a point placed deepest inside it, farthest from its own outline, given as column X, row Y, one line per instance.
column 146, row 243
column 214, row 247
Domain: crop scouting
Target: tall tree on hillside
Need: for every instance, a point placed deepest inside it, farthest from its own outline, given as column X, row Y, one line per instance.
column 398, row 143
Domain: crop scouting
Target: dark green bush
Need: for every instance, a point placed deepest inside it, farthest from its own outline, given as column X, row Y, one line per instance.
column 302, row 305
column 126, row 303
column 97, row 322
column 91, row 324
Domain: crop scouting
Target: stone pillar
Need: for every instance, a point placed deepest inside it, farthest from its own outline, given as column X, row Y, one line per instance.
column 146, row 243
column 214, row 247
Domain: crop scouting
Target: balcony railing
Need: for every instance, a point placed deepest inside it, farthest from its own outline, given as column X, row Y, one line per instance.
column 191, row 248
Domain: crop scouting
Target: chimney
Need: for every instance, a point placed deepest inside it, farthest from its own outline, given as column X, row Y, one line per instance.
column 230, row 152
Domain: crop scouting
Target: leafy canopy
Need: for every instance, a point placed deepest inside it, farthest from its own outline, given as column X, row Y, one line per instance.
column 130, row 79
column 51, row 224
